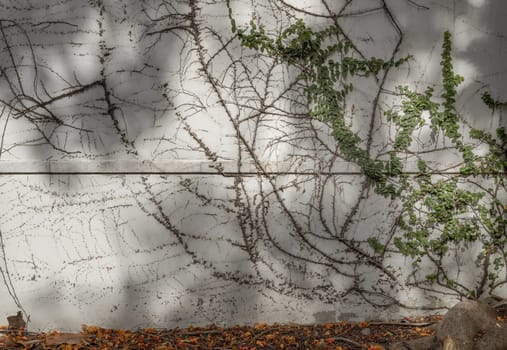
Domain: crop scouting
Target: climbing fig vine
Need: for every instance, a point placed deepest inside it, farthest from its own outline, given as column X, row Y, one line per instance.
column 325, row 62
column 442, row 214
column 456, row 213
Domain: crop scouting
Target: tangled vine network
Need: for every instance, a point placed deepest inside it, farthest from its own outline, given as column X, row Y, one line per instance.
column 305, row 193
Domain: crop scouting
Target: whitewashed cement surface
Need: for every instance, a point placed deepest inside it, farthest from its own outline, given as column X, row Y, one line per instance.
column 151, row 176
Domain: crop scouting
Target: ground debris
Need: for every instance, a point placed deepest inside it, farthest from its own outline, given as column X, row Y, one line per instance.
column 330, row 336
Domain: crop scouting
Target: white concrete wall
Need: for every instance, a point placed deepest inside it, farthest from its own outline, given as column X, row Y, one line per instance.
column 154, row 173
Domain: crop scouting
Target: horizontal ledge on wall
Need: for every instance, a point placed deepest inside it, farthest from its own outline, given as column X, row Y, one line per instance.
column 192, row 167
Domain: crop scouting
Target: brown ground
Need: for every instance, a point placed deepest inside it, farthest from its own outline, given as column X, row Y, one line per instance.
column 332, row 336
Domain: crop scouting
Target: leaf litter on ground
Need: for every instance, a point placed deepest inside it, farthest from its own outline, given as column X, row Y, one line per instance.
column 260, row 336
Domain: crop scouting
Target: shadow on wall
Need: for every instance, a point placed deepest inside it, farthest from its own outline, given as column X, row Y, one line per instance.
column 480, row 39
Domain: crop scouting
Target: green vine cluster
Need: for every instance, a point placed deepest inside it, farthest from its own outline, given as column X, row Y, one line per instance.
column 444, row 213
column 440, row 213
column 325, row 62
column 451, row 212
